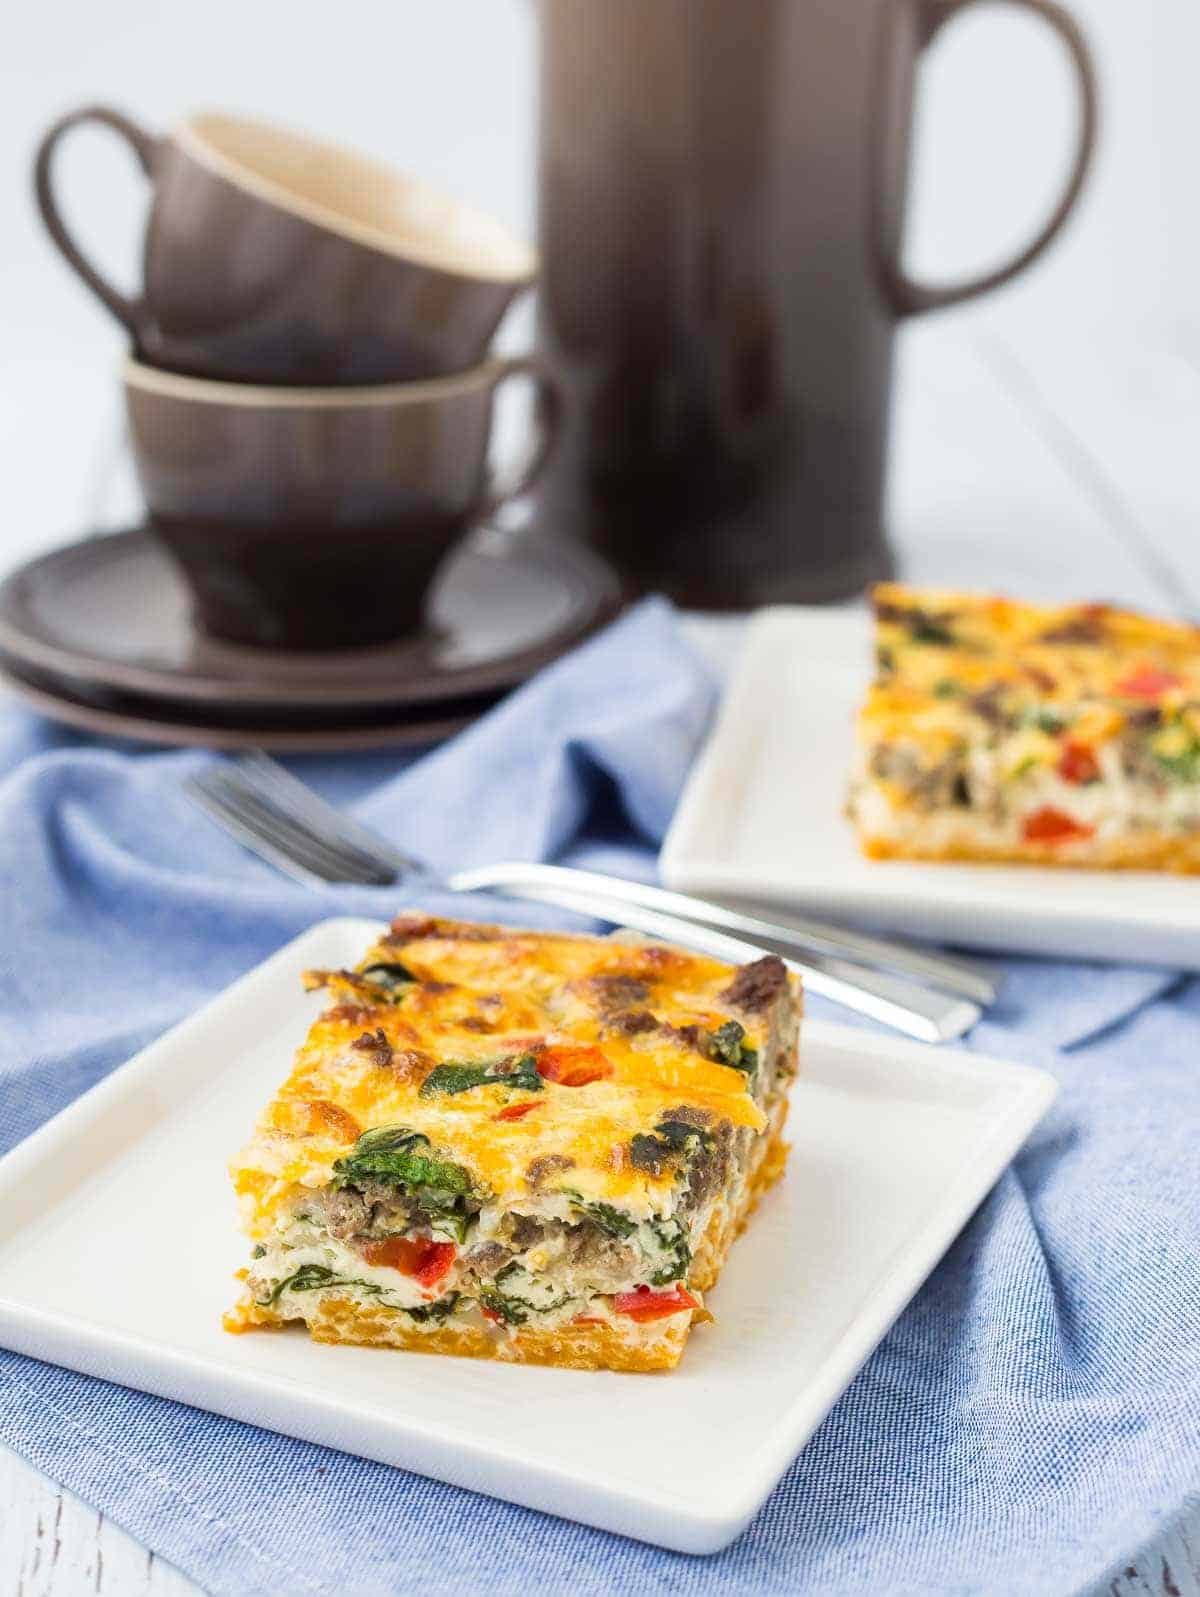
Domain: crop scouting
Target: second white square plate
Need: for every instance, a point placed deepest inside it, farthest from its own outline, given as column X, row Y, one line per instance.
column 762, row 818
column 894, row 1146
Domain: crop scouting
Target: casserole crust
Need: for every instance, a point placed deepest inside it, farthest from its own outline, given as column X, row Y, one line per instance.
column 517, row 1145
column 1001, row 731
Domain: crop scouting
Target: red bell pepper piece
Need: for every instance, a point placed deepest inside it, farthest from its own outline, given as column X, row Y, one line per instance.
column 643, row 1303
column 1049, row 825
column 426, row 1261
column 515, row 1111
column 1078, row 764
column 1148, row 682
column 573, row 1067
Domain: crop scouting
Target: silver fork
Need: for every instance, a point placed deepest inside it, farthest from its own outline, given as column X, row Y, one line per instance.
column 282, row 820
column 260, row 773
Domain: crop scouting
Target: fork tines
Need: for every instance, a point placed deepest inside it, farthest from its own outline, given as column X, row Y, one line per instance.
column 261, row 820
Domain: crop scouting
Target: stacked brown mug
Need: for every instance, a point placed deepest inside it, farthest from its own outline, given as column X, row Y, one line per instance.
column 310, row 392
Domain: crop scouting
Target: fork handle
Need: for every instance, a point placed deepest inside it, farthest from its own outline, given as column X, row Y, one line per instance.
column 802, row 938
column 915, row 1011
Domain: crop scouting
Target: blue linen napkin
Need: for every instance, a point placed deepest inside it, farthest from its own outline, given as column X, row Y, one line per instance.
column 1032, row 1417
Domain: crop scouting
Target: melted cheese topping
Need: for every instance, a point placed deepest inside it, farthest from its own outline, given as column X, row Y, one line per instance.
column 937, row 650
column 483, row 993
column 997, row 729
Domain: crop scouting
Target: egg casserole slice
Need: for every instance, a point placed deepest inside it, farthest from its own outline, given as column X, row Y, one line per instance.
column 998, row 730
column 517, row 1145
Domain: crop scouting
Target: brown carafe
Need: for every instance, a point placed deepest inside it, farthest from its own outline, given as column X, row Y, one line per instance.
column 722, row 196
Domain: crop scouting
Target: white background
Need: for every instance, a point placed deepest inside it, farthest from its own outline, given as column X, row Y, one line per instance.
column 1046, row 439
column 448, row 90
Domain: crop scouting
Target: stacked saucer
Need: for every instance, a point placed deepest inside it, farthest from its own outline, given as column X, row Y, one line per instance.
column 102, row 635
column 310, row 405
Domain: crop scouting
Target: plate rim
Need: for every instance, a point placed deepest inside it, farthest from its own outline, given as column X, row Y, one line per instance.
column 656, row 1515
column 585, row 568
column 132, row 726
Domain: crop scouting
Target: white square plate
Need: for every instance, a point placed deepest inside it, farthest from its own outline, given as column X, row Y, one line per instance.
column 762, row 818
column 895, row 1145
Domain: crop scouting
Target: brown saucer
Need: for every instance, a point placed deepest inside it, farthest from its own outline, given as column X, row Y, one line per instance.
column 112, row 612
column 128, row 717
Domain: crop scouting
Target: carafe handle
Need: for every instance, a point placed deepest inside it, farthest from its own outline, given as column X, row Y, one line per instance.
column 909, row 297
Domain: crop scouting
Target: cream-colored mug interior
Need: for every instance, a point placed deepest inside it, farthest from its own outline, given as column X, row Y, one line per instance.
column 358, row 197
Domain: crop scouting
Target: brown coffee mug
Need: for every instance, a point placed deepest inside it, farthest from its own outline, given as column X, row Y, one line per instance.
column 316, row 518
column 271, row 257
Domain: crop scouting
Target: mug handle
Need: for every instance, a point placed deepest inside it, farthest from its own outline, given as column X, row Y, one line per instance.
column 910, row 298
column 145, row 147
column 548, row 415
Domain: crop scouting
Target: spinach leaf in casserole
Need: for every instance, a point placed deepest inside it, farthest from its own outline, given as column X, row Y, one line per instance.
column 602, row 1215
column 729, row 1047
column 504, row 1308
column 1177, row 751
column 319, row 1278
column 521, row 1289
column 461, row 1076
column 396, row 1156
column 314, row 1278
column 672, row 1143
column 441, row 1310
column 1044, row 719
column 922, row 626
column 675, row 1255
column 925, row 628
column 390, row 977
